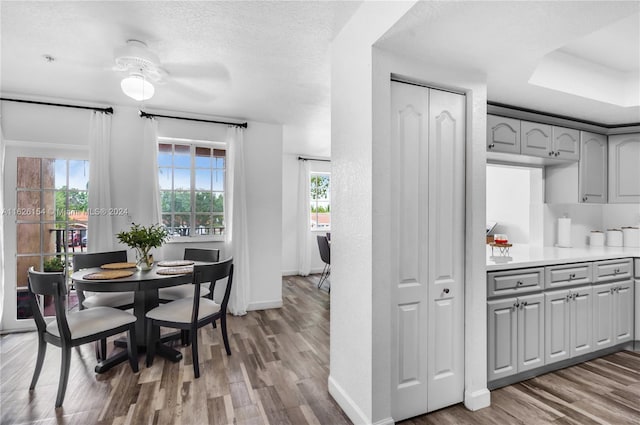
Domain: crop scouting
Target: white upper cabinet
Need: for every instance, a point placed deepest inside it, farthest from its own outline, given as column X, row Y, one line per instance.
column 624, row 168
column 536, row 139
column 503, row 134
column 593, row 168
column 566, row 143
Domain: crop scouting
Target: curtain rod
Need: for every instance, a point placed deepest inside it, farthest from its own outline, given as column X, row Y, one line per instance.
column 302, row 158
column 108, row 110
column 147, row 115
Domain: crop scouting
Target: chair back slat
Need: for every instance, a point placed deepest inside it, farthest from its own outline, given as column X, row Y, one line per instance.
column 199, row 254
column 52, row 284
column 325, row 249
column 212, row 273
column 96, row 259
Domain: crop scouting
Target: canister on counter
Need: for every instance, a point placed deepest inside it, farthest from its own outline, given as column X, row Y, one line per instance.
column 596, row 238
column 631, row 237
column 614, row 237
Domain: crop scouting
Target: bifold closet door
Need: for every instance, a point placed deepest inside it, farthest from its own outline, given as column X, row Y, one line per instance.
column 427, row 227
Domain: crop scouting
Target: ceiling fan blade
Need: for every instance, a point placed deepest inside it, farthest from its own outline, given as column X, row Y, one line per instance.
column 210, row 71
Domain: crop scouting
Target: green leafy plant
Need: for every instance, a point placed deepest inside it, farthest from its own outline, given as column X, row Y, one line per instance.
column 53, row 264
column 142, row 239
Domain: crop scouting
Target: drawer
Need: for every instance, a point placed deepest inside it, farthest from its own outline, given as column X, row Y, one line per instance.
column 611, row 270
column 515, row 281
column 567, row 275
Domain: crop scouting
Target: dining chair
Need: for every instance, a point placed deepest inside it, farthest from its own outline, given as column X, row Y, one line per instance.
column 75, row 328
column 121, row 300
column 325, row 255
column 173, row 293
column 192, row 313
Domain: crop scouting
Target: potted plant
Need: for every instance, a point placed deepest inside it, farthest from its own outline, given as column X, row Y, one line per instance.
column 142, row 239
column 53, row 264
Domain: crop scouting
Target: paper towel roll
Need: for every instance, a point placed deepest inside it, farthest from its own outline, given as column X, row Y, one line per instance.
column 564, row 232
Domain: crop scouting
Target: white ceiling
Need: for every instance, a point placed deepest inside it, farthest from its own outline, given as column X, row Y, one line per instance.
column 262, row 61
column 507, row 40
column 269, row 61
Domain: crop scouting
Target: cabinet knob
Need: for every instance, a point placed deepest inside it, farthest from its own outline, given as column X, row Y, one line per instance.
column 516, row 305
column 492, row 145
column 584, row 198
column 551, row 153
column 445, row 290
column 557, row 154
column 520, row 283
column 572, row 276
column 574, row 296
column 616, row 271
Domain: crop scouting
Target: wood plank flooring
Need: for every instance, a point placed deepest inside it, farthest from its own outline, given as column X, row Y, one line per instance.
column 278, row 374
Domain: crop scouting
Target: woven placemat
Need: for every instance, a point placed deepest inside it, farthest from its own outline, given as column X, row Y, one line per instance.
column 175, row 263
column 175, row 270
column 118, row 266
column 108, row 274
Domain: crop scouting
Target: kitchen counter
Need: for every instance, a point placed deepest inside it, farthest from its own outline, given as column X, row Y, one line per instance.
column 521, row 256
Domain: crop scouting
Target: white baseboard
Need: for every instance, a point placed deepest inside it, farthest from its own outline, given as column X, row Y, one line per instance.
column 295, row 272
column 476, row 400
column 385, row 421
column 345, row 402
column 264, row 305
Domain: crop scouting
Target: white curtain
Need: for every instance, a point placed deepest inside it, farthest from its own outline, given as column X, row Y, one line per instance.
column 1, row 223
column 149, row 173
column 236, row 229
column 101, row 236
column 303, row 231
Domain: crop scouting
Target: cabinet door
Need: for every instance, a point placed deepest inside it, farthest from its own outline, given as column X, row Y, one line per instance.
column 603, row 315
column 566, row 143
column 502, row 338
column 592, row 181
column 557, row 342
column 503, row 134
column 535, row 139
column 624, row 172
column 530, row 332
column 623, row 302
column 581, row 321
column 409, row 117
column 446, row 212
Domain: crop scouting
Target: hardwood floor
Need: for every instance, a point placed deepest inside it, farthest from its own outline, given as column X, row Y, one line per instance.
column 278, row 374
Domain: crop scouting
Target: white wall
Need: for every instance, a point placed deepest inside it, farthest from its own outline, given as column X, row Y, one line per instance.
column 360, row 340
column 511, row 201
column 42, row 127
column 290, row 169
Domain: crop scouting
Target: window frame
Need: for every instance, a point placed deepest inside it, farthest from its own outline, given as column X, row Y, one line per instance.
column 193, row 145
column 316, row 202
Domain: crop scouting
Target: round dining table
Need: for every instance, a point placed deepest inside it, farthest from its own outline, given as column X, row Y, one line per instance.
column 144, row 285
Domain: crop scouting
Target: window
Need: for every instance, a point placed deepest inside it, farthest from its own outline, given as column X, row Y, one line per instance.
column 51, row 218
column 320, row 187
column 191, row 178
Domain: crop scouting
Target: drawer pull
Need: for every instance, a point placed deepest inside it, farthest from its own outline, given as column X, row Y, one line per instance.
column 572, row 276
column 520, row 283
column 445, row 290
column 492, row 145
column 616, row 271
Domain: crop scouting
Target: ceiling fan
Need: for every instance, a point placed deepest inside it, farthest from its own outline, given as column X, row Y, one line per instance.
column 142, row 70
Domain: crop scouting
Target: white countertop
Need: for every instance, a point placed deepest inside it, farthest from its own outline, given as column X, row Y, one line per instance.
column 534, row 256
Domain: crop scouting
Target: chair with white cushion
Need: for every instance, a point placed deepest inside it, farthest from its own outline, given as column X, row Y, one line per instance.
column 75, row 328
column 190, row 314
column 121, row 300
column 173, row 293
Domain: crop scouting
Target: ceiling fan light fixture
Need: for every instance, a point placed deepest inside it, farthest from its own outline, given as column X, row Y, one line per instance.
column 137, row 87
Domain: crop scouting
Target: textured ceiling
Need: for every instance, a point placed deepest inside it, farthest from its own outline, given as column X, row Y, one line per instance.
column 269, row 61
column 263, row 61
column 507, row 40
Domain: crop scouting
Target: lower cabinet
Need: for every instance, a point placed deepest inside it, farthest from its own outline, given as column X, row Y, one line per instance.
column 516, row 335
column 613, row 314
column 568, row 323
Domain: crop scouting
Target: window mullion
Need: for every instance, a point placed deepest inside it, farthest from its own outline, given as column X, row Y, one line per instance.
column 192, row 221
